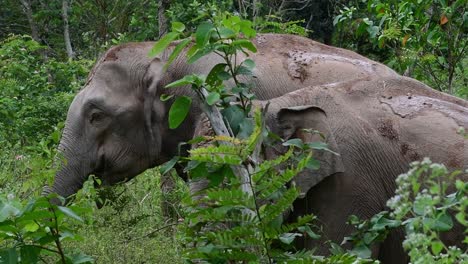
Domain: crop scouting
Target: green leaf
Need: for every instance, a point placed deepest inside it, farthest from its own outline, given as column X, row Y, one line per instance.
column 436, row 247
column 8, row 209
column 288, row 238
column 308, row 230
column 313, row 164
column 178, row 49
column 226, row 33
column 31, row 227
column 163, row 43
column 80, row 258
column 200, row 53
column 179, row 110
column 178, row 27
column 9, row 256
column 443, row 222
column 297, row 142
column 246, row 28
column 212, row 98
column 166, row 167
column 249, row 64
column 362, row 251
column 29, row 254
column 244, row 43
column 69, row 212
column 199, row 170
column 234, row 116
column 189, row 79
column 203, row 33
column 165, row 97
column 212, row 78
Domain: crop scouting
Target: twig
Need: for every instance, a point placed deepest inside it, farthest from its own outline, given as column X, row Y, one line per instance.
column 150, row 233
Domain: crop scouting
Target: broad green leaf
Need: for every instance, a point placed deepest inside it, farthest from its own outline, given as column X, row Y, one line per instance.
column 313, row 164
column 297, row 142
column 165, row 97
column 189, row 79
column 288, row 238
column 318, row 145
column 212, row 78
column 249, row 64
column 242, row 70
column 198, row 170
column 246, row 28
column 177, row 50
column 212, row 98
column 178, row 27
column 29, row 254
column 69, row 212
column 200, row 53
column 203, row 33
column 166, row 167
column 163, row 43
column 420, row 204
column 246, row 44
column 8, row 209
column 80, row 258
column 179, row 110
column 226, row 33
column 308, row 230
column 234, row 115
column 436, row 247
column 224, row 76
column 362, row 251
column 246, row 127
column 31, row 227
column 443, row 222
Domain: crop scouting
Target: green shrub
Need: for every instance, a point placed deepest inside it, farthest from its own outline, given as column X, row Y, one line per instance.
column 36, row 92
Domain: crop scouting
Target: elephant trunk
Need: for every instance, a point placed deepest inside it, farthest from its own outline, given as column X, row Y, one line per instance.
column 74, row 165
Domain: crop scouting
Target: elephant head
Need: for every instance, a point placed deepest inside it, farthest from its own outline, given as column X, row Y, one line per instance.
column 115, row 124
column 297, row 122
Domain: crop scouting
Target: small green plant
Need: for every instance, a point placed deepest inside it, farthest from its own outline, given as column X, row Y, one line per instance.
column 35, row 230
column 369, row 232
column 426, row 208
column 275, row 24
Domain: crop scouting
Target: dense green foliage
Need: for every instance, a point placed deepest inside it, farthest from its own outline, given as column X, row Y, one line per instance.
column 35, row 95
column 426, row 40
column 421, row 39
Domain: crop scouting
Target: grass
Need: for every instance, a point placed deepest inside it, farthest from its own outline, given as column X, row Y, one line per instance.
column 129, row 228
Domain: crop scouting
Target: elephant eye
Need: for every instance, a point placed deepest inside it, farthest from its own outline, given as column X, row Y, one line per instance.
column 96, row 117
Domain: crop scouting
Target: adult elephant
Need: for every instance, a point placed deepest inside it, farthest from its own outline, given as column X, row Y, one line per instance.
column 378, row 127
column 117, row 125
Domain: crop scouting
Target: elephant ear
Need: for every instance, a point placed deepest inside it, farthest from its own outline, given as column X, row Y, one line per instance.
column 153, row 108
column 293, row 122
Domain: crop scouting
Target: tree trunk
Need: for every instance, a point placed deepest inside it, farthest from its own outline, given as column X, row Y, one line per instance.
column 27, row 9
column 162, row 18
column 66, row 31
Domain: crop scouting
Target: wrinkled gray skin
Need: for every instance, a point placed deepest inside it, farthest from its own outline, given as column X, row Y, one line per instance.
column 378, row 126
column 117, row 126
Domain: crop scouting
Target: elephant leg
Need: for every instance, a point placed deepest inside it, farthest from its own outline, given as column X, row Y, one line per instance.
column 391, row 250
column 333, row 200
